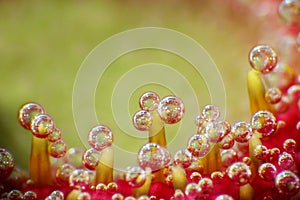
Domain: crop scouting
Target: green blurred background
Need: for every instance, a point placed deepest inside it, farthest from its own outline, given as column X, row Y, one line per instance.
column 43, row 43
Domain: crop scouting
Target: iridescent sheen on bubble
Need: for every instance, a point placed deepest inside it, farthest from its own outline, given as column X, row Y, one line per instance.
column 100, row 137
column 267, row 171
column 54, row 135
column 171, row 109
column 142, row 120
column 273, row 95
column 198, row 145
column 239, row 173
column 28, row 112
column 149, row 101
column 242, row 131
column 210, row 113
column 264, row 122
column 263, row 58
column 287, row 183
column 90, row 158
column 42, row 125
column 58, row 149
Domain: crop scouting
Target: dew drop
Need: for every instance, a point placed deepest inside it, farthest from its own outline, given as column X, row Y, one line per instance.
column 289, row 11
column 192, row 190
column 74, row 157
column 84, row 196
column 287, row 183
column 267, row 171
column 273, row 95
column 213, row 131
column 171, row 109
column 30, row 195
column 63, row 173
column 273, row 155
column 58, row 194
column 241, row 131
column 198, row 145
column 15, row 195
column 286, row 161
column 117, row 196
column 54, row 135
column 210, row 113
column 183, row 158
column 228, row 157
column 264, row 122
column 79, row 179
column 263, row 59
column 135, row 176
column 290, row 146
column 100, row 137
column 224, row 197
column 200, row 121
column 261, row 152
column 239, row 173
column 293, row 92
column 28, row 112
column 101, row 187
column 112, row 187
column 207, row 187
column 195, row 177
column 247, row 160
column 149, row 101
column 217, row 177
column 58, row 149
column 90, row 158
column 142, row 120
column 178, row 195
column 227, row 142
column 42, row 125
column 7, row 163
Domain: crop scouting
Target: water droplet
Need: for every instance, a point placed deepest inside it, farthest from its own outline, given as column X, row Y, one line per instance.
column 195, row 177
column 198, row 145
column 286, row 161
column 228, row 157
column 112, row 187
column 28, row 112
column 264, row 122
column 142, row 120
column 217, row 177
column 135, row 176
column 79, row 179
column 224, row 197
column 84, row 196
column 54, row 135
column 74, row 157
column 30, row 195
column 90, row 158
column 144, row 197
column 171, row 109
column 247, row 160
column 287, row 183
column 192, row 190
column 58, row 194
column 263, row 59
column 273, row 155
column 289, row 11
column 267, row 171
column 178, row 195
column 213, row 131
column 130, row 198
column 101, row 187
column 261, row 152
column 241, row 131
column 227, row 142
column 239, row 173
column 283, row 105
column 58, row 149
column 183, row 158
column 149, row 101
column 63, row 173
column 273, row 95
column 42, row 125
column 100, row 137
column 210, row 113
column 15, row 195
column 207, row 188
column 290, row 146
column 117, row 196
column 293, row 92
column 7, row 163
column 200, row 121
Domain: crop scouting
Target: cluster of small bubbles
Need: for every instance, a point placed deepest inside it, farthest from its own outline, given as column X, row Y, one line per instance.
column 183, row 158
column 287, row 183
column 171, row 109
column 286, row 161
column 195, row 177
column 206, row 186
column 90, row 158
column 112, row 187
column 101, row 187
column 58, row 149
column 273, row 154
column 192, row 190
column 198, row 145
column 100, row 137
column 149, row 101
column 7, row 163
column 217, row 177
column 239, row 173
column 263, row 59
column 135, row 176
column 241, row 131
column 224, row 197
column 152, row 155
column 210, row 113
column 247, row 160
column 30, row 195
column 273, row 95
column 228, row 157
column 117, row 196
column 79, row 179
column 267, row 171
column 42, row 125
column 264, row 122
column 227, row 142
column 74, row 157
column 261, row 152
column 28, row 112
column 289, row 10
column 290, row 145
column 84, row 196
column 142, row 120
column 63, row 174
column 15, row 195
column 58, row 194
column 54, row 135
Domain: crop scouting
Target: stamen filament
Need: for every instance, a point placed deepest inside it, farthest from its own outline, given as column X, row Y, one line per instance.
column 104, row 171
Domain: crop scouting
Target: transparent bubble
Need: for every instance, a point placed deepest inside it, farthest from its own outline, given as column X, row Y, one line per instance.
column 239, row 173
column 7, row 163
column 130, row 198
column 79, row 179
column 101, row 187
column 74, row 157
column 290, row 146
column 224, row 197
column 58, row 194
column 42, row 125
column 287, row 183
column 283, row 105
column 63, row 173
column 217, row 177
column 273, row 155
column 100, row 137
column 247, row 160
column 58, row 149
column 135, row 176
column 198, row 145
column 153, row 156
column 263, row 59
column 286, row 161
column 149, row 101
column 192, row 190
column 90, row 158
column 267, row 171
column 171, row 109
column 228, row 157
column 195, row 177
column 213, row 132
column 224, row 128
column 200, row 121
column 142, row 120
column 227, row 142
column 28, row 112
column 293, row 92
column 261, row 152
column 264, row 122
column 84, row 196
column 54, row 135
column 178, row 195
column 242, row 132
column 112, row 187
column 207, row 187
column 210, row 113
column 30, row 195
column 15, row 195
column 183, row 158
column 289, row 11
column 273, row 95
column 117, row 196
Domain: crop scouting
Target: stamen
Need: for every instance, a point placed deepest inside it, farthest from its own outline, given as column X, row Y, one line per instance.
column 104, row 171
column 212, row 161
column 179, row 178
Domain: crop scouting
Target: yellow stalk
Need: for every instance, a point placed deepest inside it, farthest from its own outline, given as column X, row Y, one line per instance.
column 104, row 171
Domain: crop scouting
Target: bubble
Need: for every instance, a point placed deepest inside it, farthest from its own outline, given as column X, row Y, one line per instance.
column 7, row 164
column 294, row 92
column 289, row 11
column 210, row 113
column 247, row 160
column 198, row 145
column 63, row 174
column 74, row 157
column 30, row 195
column 298, row 126
column 224, row 197
column 130, row 198
column 117, row 196
column 171, row 109
column 15, row 195
column 242, row 132
column 261, row 152
column 228, row 157
column 144, row 197
column 200, row 121
column 149, row 101
column 54, row 135
column 42, row 125
column 213, row 132
column 79, row 179
column 239, row 173
column 224, row 128
column 264, row 122
column 283, row 105
column 112, row 187
column 227, row 142
column 142, row 120
column 192, row 190
column 101, row 187
column 263, row 59
column 290, row 146
column 28, row 112
column 273, row 95
column 178, row 195
column 195, row 177
column 84, row 196
column 267, row 171
column 273, row 155
column 153, row 156
column 90, row 158
column 100, row 137
column 286, row 161
column 217, row 177
column 58, row 194
column 207, row 187
column 58, row 149
column 287, row 183
column 135, row 176
column 183, row 158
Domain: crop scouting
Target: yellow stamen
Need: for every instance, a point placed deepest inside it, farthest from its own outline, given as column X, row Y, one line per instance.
column 179, row 178
column 212, row 161
column 73, row 195
column 145, row 188
column 104, row 171
column 157, row 130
